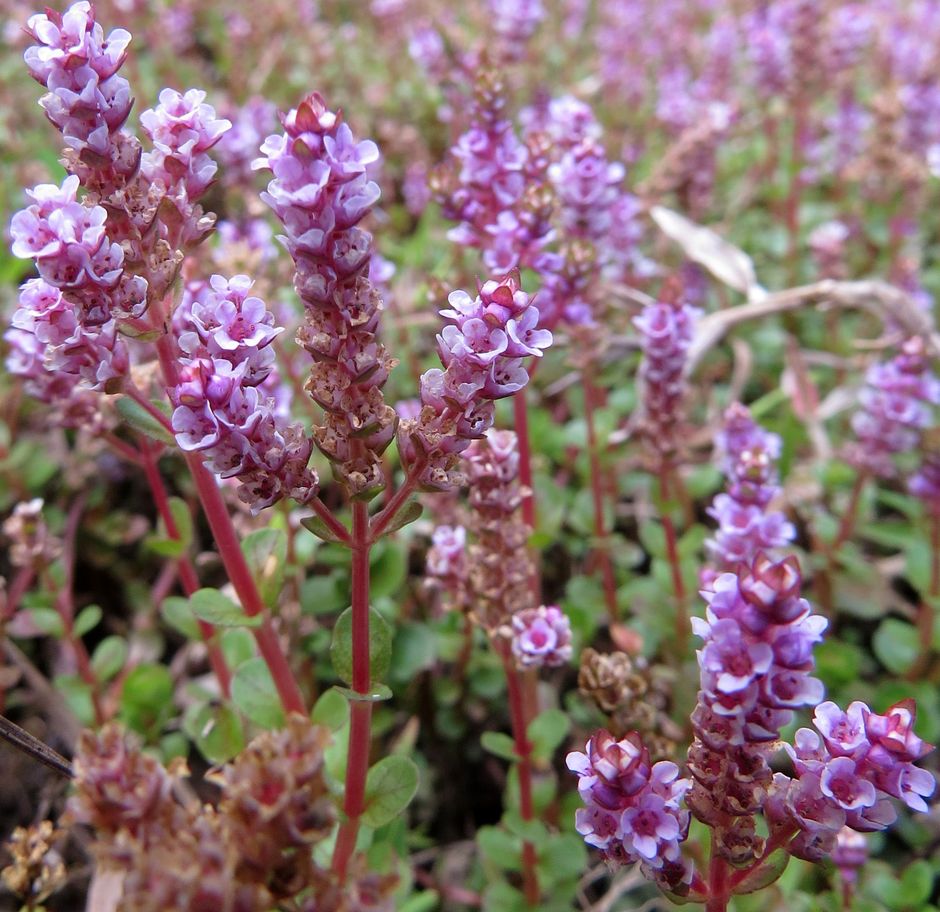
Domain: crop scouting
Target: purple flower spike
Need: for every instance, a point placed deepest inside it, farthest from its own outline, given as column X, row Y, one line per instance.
column 222, row 409
column 633, row 807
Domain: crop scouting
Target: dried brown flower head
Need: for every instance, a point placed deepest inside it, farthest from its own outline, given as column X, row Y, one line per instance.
column 36, row 871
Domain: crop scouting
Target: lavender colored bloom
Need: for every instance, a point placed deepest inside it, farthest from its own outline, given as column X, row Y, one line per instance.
column 447, row 558
column 183, row 128
column 221, row 410
column 238, row 147
column 541, row 637
column 632, row 811
column 482, row 350
column 665, row 330
column 848, row 776
column 894, row 409
column 320, row 191
column 515, row 21
column 74, row 253
column 745, row 526
column 86, row 100
column 925, row 482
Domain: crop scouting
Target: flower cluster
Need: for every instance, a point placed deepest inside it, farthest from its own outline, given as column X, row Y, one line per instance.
column 515, row 21
column 74, row 254
column 847, row 776
column 320, row 191
column 755, row 670
column 633, row 807
column 182, row 128
column 447, row 557
column 500, row 567
column 52, row 350
column 541, row 637
column 745, row 526
column 494, row 187
column 665, row 329
column 483, row 349
column 895, row 408
column 925, row 482
column 86, row 100
column 249, row 854
column 221, row 411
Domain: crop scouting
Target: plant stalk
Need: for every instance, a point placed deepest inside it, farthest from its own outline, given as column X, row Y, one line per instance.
column 360, row 723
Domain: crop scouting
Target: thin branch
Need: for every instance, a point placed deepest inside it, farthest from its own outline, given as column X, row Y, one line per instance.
column 884, row 300
column 31, row 745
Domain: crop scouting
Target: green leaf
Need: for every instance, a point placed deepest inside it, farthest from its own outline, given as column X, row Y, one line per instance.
column 164, row 546
column 390, row 786
column 533, row 831
column 77, row 695
column 87, row 620
column 765, row 873
column 563, row 857
column 653, row 538
column 220, row 734
column 266, row 553
column 406, row 515
column 380, row 646
column 323, row 594
column 254, row 694
column 211, row 606
column 147, row 698
column 331, row 710
column 917, row 883
column 47, row 621
column 414, row 650
column 141, row 420
column 500, row 848
column 500, row 744
column 425, row 901
column 109, row 657
column 388, row 568
column 546, row 731
column 501, row 897
column 178, row 614
column 319, row 528
column 897, row 645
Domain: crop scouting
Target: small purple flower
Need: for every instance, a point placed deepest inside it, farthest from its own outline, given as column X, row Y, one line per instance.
column 633, row 807
column 541, row 637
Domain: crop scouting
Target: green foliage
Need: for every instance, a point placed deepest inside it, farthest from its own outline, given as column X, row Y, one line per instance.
column 380, row 646
column 390, row 786
column 265, row 551
column 254, row 694
column 212, row 606
column 147, row 699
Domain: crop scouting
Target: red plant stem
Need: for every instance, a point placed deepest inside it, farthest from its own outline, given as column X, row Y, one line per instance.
column 66, row 609
column 229, row 546
column 849, row 517
column 331, row 522
column 672, row 552
column 357, row 763
column 147, row 406
column 381, row 520
column 125, row 450
column 187, row 572
column 520, row 723
column 718, row 885
column 796, row 184
column 521, row 415
column 21, row 582
column 602, row 543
